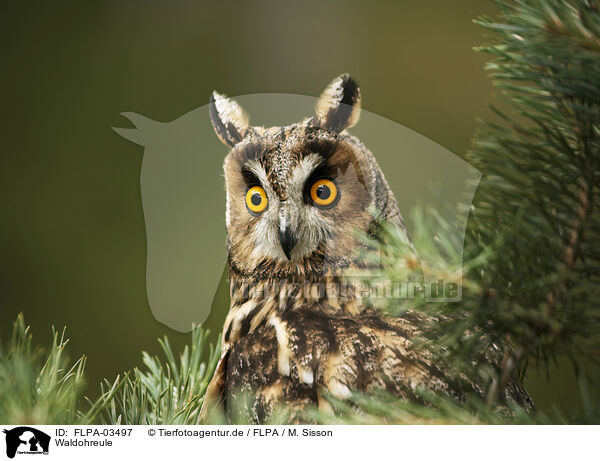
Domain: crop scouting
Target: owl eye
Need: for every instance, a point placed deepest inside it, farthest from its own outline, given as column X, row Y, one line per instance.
column 256, row 200
column 324, row 193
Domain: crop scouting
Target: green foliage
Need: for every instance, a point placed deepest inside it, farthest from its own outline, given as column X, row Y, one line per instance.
column 535, row 213
column 383, row 408
column 43, row 387
column 38, row 388
column 165, row 393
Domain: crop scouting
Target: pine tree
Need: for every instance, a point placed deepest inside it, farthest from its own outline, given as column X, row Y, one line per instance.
column 537, row 205
column 531, row 268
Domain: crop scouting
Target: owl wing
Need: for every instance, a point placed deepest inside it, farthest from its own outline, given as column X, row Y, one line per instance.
column 215, row 390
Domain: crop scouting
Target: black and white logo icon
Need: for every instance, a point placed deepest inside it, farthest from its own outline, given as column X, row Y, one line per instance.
column 26, row 440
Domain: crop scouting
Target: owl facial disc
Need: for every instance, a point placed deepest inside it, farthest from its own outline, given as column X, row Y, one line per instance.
column 298, row 195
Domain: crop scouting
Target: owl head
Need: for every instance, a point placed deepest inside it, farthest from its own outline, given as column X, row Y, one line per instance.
column 299, row 195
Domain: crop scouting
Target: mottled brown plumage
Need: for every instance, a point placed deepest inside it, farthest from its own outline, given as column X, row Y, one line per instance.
column 298, row 327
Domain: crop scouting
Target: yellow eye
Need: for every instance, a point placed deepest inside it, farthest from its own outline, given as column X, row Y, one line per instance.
column 256, row 199
column 323, row 192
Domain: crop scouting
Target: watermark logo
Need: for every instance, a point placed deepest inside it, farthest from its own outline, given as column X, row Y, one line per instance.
column 25, row 440
column 184, row 202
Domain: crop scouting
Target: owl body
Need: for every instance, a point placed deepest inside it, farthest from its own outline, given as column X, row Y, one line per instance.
column 299, row 329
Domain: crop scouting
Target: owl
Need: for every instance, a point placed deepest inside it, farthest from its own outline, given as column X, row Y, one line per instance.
column 299, row 197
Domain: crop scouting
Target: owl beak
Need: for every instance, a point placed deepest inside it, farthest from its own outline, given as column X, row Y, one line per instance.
column 286, row 237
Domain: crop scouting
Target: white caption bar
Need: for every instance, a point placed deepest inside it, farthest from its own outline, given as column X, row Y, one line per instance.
column 298, row 442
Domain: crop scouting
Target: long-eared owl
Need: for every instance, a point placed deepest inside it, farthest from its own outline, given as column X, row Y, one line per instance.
column 298, row 199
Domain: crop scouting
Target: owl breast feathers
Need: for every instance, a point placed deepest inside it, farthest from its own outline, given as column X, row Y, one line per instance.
column 298, row 199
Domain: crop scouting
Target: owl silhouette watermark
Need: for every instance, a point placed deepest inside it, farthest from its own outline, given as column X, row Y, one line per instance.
column 283, row 204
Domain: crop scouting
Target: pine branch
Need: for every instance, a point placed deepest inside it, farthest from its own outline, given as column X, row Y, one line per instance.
column 540, row 186
column 165, row 393
column 43, row 387
column 38, row 387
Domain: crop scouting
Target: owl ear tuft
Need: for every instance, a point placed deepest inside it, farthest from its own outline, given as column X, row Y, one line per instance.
column 229, row 120
column 338, row 107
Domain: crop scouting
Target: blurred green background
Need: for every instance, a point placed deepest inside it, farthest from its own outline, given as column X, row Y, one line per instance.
column 72, row 235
